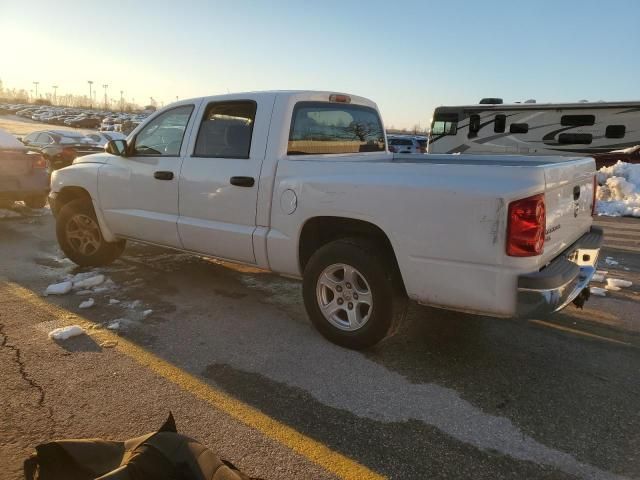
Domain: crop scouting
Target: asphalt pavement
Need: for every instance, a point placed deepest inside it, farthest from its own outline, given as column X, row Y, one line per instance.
column 230, row 351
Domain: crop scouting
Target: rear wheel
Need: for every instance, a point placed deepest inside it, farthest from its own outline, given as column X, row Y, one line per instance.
column 80, row 237
column 36, row 201
column 352, row 293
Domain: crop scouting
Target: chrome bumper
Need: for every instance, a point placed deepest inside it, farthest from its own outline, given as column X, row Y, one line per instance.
column 559, row 283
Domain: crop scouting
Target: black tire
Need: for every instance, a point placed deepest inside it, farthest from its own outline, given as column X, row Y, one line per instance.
column 36, row 201
column 382, row 280
column 100, row 252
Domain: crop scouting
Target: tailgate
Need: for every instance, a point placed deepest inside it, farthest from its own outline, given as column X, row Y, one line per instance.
column 568, row 200
column 14, row 163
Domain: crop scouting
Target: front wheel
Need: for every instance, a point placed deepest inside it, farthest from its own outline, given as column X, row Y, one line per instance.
column 80, row 237
column 351, row 293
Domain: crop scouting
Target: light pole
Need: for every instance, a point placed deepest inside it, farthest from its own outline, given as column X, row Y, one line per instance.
column 36, row 84
column 121, row 101
column 105, row 86
column 90, row 82
column 55, row 93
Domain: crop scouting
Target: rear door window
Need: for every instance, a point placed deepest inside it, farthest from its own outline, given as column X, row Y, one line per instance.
column 329, row 128
column 226, row 130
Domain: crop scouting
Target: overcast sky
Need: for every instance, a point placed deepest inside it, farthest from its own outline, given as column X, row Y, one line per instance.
column 408, row 56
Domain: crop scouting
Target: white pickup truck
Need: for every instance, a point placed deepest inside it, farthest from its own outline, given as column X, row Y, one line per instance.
column 302, row 183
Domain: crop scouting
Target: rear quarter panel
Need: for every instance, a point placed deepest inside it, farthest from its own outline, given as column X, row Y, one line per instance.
column 446, row 223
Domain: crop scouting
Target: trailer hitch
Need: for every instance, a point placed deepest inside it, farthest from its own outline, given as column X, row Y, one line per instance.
column 582, row 297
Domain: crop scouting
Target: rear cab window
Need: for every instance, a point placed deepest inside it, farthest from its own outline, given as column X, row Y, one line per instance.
column 319, row 128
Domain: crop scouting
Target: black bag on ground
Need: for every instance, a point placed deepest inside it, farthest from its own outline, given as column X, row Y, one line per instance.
column 161, row 455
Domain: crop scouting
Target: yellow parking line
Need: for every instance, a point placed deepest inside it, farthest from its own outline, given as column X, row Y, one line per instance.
column 579, row 332
column 313, row 450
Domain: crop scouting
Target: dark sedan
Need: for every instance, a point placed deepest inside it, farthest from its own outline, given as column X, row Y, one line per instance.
column 60, row 147
column 23, row 174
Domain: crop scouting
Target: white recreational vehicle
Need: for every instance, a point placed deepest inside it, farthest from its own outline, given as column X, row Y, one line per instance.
column 535, row 129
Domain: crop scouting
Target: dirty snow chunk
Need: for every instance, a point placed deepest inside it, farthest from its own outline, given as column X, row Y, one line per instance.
column 89, row 282
column 597, row 277
column 618, row 282
column 135, row 304
column 58, row 289
column 66, row 332
column 84, row 292
column 115, row 325
column 146, row 313
column 90, row 302
column 612, row 288
column 610, row 261
column 598, row 292
column 100, row 289
column 113, row 301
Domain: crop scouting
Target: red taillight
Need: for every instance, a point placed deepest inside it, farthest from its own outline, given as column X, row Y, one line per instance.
column 39, row 162
column 593, row 201
column 526, row 226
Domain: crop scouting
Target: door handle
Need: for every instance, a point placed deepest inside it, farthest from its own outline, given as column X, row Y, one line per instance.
column 162, row 175
column 242, row 181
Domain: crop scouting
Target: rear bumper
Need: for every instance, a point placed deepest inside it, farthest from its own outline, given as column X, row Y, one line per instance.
column 557, row 285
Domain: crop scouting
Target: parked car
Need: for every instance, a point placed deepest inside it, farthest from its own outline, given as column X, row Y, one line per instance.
column 84, row 122
column 23, row 174
column 60, row 147
column 407, row 144
column 101, row 138
column 301, row 183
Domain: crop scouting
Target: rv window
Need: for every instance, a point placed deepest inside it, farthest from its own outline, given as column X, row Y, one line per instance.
column 577, row 120
column 500, row 124
column 519, row 128
column 474, row 125
column 575, row 138
column 615, row 131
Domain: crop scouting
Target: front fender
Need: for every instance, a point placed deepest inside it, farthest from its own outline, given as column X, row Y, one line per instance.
column 82, row 176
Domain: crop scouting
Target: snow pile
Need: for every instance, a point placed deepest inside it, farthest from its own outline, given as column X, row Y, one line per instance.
column 4, row 213
column 597, row 291
column 66, row 332
column 58, row 288
column 619, row 190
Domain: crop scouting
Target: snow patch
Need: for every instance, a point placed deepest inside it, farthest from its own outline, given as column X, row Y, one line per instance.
column 113, row 301
column 8, row 213
column 90, row 302
column 610, row 261
column 88, row 282
column 58, row 288
column 618, row 283
column 66, row 332
column 619, row 190
column 598, row 277
column 598, row 292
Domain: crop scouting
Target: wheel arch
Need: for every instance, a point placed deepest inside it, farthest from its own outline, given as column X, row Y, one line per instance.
column 70, row 193
column 321, row 230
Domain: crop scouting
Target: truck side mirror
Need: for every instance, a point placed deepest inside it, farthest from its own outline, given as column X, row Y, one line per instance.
column 117, row 147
